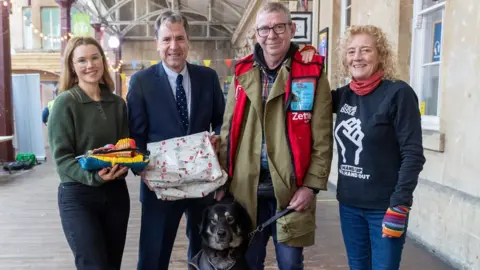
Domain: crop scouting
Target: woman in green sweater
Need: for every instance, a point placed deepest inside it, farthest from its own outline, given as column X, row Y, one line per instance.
column 94, row 205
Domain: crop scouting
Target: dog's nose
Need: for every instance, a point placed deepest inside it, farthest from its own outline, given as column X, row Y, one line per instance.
column 221, row 233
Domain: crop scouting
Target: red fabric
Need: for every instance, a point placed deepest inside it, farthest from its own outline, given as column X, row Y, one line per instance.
column 242, row 66
column 297, row 122
column 365, row 87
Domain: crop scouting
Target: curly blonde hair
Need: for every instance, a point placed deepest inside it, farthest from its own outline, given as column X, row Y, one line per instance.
column 387, row 59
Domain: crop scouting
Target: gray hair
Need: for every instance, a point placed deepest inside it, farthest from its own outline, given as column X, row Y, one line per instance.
column 170, row 16
column 275, row 7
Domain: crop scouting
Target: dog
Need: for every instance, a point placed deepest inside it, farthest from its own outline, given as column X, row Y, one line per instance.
column 225, row 230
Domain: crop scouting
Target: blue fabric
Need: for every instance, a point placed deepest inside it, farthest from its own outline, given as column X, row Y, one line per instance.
column 182, row 105
column 45, row 114
column 92, row 164
column 288, row 258
column 362, row 235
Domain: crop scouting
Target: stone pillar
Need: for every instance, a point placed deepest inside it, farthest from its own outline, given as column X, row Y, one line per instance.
column 98, row 32
column 65, row 25
column 118, row 78
column 6, row 109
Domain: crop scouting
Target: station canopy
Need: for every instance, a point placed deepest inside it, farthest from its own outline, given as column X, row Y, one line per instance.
column 135, row 19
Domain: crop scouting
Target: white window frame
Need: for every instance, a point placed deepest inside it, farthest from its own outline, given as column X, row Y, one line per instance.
column 54, row 44
column 418, row 55
column 343, row 15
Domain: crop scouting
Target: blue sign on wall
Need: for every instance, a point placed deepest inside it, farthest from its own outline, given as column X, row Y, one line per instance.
column 437, row 41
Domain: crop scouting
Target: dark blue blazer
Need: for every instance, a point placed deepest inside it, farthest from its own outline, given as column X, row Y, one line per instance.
column 152, row 109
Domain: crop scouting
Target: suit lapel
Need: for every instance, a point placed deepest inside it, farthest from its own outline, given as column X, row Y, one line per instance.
column 166, row 92
column 195, row 94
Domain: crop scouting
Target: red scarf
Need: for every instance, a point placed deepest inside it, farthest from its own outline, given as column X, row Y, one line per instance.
column 365, row 87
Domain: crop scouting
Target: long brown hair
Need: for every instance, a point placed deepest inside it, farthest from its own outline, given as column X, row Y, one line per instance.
column 68, row 78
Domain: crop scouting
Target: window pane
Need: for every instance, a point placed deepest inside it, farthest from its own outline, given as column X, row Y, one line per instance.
column 51, row 28
column 429, row 3
column 430, row 83
column 433, row 36
column 27, row 29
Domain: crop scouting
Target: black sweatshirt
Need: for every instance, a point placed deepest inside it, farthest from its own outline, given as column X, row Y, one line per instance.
column 379, row 142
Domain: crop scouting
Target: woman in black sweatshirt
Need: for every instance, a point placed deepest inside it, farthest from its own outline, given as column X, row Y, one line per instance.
column 380, row 153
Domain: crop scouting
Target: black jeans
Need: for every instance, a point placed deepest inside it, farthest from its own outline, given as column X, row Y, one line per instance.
column 94, row 220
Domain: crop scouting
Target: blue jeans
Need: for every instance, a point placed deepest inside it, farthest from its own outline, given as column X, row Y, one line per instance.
column 366, row 248
column 288, row 258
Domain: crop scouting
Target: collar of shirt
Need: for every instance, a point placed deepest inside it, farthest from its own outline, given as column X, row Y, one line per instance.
column 172, row 79
column 174, row 74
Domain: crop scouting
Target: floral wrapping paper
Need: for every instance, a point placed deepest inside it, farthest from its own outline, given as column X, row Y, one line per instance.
column 184, row 167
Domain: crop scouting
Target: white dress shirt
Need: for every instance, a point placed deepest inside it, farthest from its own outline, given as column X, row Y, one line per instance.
column 172, row 79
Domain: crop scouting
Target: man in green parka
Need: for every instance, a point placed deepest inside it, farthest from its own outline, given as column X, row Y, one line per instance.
column 276, row 138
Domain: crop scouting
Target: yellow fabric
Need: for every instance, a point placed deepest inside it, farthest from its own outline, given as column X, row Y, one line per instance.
column 115, row 160
column 50, row 104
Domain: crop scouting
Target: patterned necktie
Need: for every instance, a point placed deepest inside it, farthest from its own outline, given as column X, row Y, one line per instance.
column 182, row 102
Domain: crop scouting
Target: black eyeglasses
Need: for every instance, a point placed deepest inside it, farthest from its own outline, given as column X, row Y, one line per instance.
column 277, row 28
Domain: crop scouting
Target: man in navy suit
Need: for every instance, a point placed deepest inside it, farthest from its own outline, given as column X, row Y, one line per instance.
column 168, row 100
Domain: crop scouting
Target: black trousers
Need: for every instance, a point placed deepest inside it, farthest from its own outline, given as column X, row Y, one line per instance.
column 94, row 220
column 160, row 220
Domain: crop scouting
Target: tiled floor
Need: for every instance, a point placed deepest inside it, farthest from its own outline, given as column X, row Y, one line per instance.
column 31, row 236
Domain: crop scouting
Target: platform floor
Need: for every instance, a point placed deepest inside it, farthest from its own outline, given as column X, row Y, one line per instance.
column 31, row 236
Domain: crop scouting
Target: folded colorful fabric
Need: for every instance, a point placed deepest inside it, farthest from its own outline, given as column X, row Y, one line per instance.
column 394, row 221
column 123, row 153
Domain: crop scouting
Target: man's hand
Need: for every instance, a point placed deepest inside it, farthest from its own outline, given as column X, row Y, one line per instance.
column 109, row 174
column 215, row 141
column 301, row 199
column 219, row 194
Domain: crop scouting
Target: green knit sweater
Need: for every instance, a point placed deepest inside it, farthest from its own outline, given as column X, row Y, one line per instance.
column 77, row 124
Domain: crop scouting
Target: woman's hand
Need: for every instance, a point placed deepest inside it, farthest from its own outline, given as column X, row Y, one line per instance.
column 109, row 174
column 395, row 221
column 307, row 53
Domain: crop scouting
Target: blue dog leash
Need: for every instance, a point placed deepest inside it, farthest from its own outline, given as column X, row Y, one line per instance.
column 262, row 226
